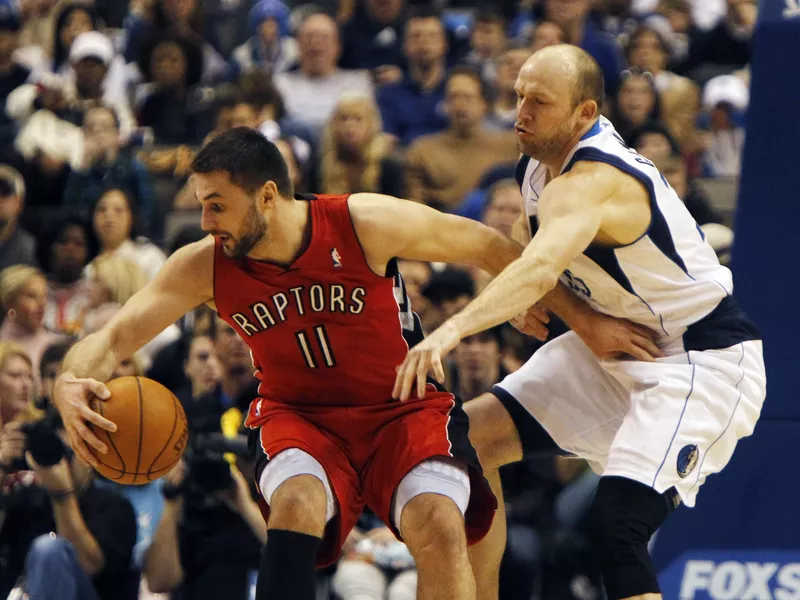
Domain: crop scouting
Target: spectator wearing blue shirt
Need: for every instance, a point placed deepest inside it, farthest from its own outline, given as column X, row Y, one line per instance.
column 373, row 39
column 573, row 16
column 414, row 106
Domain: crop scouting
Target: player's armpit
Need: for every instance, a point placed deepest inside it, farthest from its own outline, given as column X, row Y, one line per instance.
column 389, row 227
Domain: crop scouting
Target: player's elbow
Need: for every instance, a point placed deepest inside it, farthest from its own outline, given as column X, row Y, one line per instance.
column 497, row 253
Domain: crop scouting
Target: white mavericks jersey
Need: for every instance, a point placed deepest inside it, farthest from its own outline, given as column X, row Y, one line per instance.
column 669, row 279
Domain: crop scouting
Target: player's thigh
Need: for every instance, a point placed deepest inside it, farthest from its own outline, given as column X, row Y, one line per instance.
column 574, row 403
column 287, row 446
column 686, row 419
column 426, row 450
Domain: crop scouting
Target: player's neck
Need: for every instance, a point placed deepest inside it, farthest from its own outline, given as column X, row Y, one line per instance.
column 288, row 234
column 555, row 165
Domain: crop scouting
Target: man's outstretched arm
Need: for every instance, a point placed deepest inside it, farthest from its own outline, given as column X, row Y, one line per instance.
column 185, row 281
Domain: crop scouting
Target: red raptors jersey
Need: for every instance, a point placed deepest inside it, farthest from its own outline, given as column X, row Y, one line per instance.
column 324, row 330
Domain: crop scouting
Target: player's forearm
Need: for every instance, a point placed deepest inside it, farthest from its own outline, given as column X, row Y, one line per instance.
column 162, row 563
column 95, row 356
column 568, row 307
column 522, row 284
column 71, row 526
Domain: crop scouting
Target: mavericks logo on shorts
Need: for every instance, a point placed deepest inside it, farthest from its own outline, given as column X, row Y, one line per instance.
column 687, row 459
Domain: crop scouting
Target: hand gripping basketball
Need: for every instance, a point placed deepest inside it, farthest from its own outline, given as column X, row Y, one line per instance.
column 72, row 396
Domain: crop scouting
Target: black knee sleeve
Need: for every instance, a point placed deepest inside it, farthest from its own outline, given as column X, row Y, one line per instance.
column 287, row 566
column 622, row 518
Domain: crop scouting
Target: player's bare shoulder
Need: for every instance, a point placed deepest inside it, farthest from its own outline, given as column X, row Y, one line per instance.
column 192, row 268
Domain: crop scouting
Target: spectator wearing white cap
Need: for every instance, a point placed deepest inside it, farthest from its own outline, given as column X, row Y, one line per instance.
column 90, row 57
column 725, row 98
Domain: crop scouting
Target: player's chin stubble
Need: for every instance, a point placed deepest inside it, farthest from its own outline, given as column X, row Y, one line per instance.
column 253, row 230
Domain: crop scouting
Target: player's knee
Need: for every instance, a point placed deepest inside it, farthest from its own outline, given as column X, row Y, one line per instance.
column 299, row 504
column 492, row 432
column 433, row 525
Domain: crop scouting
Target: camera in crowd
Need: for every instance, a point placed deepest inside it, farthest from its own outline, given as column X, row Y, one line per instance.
column 208, row 469
column 43, row 442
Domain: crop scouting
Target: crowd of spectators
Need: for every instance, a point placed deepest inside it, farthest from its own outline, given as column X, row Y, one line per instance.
column 104, row 103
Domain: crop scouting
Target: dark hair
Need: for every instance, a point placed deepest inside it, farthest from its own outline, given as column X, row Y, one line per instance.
column 449, row 284
column 130, row 198
column 161, row 21
column 191, row 50
column 620, row 121
column 60, row 54
column 186, row 235
column 658, row 128
column 424, row 11
column 53, row 234
column 639, row 32
column 248, row 157
column 467, row 71
column 490, row 15
column 258, row 89
column 55, row 352
column 589, row 84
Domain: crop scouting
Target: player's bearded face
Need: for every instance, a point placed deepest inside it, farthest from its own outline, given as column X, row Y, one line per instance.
column 547, row 142
column 253, row 228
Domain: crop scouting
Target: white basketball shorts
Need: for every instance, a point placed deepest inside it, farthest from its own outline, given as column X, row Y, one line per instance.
column 670, row 423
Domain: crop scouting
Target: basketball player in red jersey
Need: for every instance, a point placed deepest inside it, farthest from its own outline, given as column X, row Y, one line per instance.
column 308, row 285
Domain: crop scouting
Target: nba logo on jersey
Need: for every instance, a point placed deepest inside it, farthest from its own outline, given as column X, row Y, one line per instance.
column 337, row 258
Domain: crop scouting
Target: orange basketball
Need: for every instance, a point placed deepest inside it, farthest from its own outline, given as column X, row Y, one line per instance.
column 151, row 431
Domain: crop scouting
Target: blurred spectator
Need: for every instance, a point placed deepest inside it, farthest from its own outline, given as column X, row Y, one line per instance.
column 271, row 47
column 50, row 369
column 413, row 107
column 12, row 74
column 71, row 246
column 107, row 163
column 725, row 98
column 487, row 41
column 618, row 18
column 96, row 530
column 174, row 109
column 504, row 206
column 416, row 276
column 16, row 401
column 201, row 367
column 373, row 39
column 17, row 246
column 113, row 218
column 678, row 17
column 726, row 47
column 636, row 104
column 680, row 113
column 476, row 364
column 444, row 167
column 174, row 18
column 648, row 51
column 298, row 168
column 448, row 291
column 23, row 296
column 354, row 154
column 547, row 33
column 652, row 140
column 573, row 17
column 375, row 565
column 72, row 20
column 712, row 224
column 503, row 113
column 311, row 92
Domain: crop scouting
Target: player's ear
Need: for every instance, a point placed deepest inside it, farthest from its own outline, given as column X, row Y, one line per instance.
column 589, row 111
column 269, row 193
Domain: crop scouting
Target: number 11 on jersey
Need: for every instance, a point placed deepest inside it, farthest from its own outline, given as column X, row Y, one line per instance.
column 304, row 341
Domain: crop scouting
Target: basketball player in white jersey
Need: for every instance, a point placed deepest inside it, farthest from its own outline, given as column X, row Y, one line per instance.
column 607, row 224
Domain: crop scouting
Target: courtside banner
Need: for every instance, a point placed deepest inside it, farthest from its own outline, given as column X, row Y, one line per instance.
column 733, row 575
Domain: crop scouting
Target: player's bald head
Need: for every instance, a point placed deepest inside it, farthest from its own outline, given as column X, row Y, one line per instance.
column 580, row 70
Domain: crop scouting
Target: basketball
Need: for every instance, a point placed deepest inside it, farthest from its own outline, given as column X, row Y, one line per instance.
column 151, row 431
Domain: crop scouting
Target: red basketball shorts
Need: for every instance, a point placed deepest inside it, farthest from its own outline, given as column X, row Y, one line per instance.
column 366, row 451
